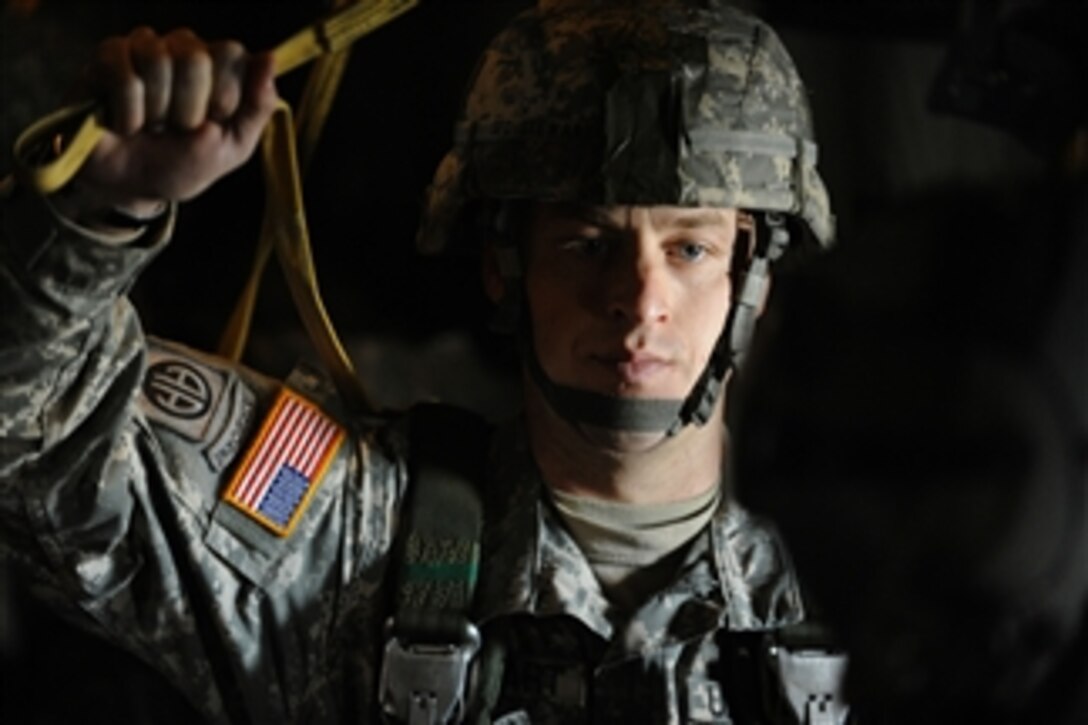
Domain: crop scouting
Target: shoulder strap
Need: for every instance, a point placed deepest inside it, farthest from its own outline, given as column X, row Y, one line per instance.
column 431, row 639
column 443, row 518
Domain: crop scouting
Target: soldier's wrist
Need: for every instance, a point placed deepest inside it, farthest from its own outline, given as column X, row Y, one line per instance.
column 90, row 213
column 90, row 208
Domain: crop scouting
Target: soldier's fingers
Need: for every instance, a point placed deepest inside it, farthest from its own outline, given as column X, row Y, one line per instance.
column 151, row 60
column 259, row 100
column 228, row 74
column 121, row 89
column 192, row 79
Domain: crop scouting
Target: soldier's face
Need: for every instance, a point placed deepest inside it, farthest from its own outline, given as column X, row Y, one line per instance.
column 628, row 300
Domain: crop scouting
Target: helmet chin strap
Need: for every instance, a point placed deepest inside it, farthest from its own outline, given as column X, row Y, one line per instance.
column 610, row 412
column 668, row 415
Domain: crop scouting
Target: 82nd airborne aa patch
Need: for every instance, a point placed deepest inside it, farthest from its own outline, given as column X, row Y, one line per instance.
column 283, row 468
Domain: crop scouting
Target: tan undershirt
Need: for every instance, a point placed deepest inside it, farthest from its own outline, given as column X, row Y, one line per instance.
column 634, row 549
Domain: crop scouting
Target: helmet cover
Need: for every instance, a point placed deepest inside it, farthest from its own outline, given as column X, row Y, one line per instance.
column 689, row 103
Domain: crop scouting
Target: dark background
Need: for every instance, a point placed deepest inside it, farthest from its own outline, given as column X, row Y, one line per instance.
column 868, row 64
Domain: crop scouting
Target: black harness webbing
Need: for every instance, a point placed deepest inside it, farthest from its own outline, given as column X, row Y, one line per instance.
column 431, row 639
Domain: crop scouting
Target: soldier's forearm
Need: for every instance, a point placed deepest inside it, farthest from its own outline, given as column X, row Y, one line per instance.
column 60, row 291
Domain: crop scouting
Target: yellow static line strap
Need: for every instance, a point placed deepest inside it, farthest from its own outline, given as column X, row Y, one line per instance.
column 317, row 97
column 50, row 176
column 284, row 227
column 285, row 231
column 284, row 466
column 333, row 33
column 316, row 103
column 338, row 31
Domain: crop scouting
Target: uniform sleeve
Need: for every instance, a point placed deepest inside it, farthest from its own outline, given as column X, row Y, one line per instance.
column 111, row 486
column 70, row 358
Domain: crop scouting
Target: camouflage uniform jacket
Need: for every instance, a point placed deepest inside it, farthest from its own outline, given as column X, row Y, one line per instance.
column 114, row 453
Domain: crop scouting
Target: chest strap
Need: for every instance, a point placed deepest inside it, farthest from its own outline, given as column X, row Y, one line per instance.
column 430, row 638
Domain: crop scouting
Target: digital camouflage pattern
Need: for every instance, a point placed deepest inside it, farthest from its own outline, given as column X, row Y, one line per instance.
column 656, row 102
column 114, row 453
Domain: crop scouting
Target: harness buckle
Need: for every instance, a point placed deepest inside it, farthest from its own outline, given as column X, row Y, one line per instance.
column 424, row 683
column 812, row 684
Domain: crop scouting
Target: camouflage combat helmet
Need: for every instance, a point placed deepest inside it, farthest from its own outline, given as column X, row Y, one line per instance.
column 677, row 102
column 624, row 102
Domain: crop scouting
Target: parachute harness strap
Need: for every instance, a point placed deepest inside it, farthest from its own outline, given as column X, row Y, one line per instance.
column 284, row 226
column 431, row 641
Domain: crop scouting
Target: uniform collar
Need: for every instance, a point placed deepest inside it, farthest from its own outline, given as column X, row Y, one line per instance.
column 736, row 575
column 530, row 563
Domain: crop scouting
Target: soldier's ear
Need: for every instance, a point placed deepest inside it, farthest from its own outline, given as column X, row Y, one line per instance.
column 494, row 285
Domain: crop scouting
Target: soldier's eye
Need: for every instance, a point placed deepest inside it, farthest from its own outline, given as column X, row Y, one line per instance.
column 689, row 251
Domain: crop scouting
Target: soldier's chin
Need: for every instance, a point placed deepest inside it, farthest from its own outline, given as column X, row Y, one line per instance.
column 622, row 441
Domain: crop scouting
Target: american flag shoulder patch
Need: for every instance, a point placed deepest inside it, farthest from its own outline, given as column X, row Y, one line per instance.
column 284, row 465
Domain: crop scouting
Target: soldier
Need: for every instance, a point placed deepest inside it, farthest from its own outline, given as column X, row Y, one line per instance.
column 630, row 170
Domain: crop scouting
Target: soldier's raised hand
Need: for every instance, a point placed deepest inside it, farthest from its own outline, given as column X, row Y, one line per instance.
column 181, row 114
